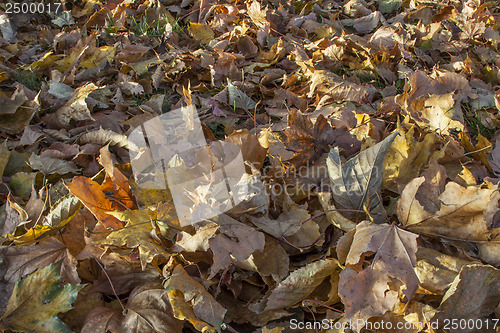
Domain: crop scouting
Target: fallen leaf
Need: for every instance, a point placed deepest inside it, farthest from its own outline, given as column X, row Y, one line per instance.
column 136, row 234
column 227, row 251
column 76, row 107
column 460, row 214
column 436, row 271
column 197, row 242
column 201, row 32
column 251, row 149
column 299, row 284
column 406, row 158
column 356, row 184
column 287, row 224
column 37, row 299
column 92, row 196
column 371, row 291
column 306, row 140
column 22, row 260
column 48, row 165
column 15, row 122
column 204, row 306
column 147, row 310
column 473, row 295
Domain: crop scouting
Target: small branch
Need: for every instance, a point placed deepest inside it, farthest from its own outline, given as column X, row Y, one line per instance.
column 110, row 283
column 322, row 304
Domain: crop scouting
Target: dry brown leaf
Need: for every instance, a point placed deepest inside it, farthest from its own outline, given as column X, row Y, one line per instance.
column 297, row 286
column 371, row 291
column 306, row 140
column 227, row 251
column 76, row 107
column 22, row 260
column 473, row 295
column 204, row 306
column 460, row 213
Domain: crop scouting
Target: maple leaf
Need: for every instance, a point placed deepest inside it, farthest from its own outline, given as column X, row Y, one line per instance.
column 306, row 140
column 22, row 260
column 74, row 86
column 37, row 299
column 136, row 234
column 370, row 292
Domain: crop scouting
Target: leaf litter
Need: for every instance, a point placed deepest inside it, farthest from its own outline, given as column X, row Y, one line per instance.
column 369, row 136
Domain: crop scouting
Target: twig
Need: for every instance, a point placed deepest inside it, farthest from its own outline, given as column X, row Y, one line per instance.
column 225, row 326
column 110, row 283
column 322, row 304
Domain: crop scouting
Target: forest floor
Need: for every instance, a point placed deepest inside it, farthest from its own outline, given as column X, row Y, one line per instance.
column 259, row 166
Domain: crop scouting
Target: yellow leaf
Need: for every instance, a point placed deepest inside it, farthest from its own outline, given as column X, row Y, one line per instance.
column 406, row 158
column 31, row 235
column 201, row 32
column 98, row 56
column 46, row 61
column 184, row 311
column 136, row 235
column 63, row 64
column 480, row 150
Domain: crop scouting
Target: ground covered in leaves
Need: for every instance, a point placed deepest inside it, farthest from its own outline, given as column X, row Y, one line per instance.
column 369, row 133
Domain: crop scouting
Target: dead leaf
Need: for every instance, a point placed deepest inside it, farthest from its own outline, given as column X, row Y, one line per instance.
column 37, row 299
column 306, row 140
column 473, row 295
column 298, row 285
column 76, row 107
column 371, row 291
column 356, row 184
column 204, row 306
column 460, row 214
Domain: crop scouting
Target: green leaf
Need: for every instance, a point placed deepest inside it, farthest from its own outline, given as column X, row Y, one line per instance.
column 37, row 299
column 238, row 99
column 60, row 90
column 357, row 183
column 389, row 6
column 21, row 184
